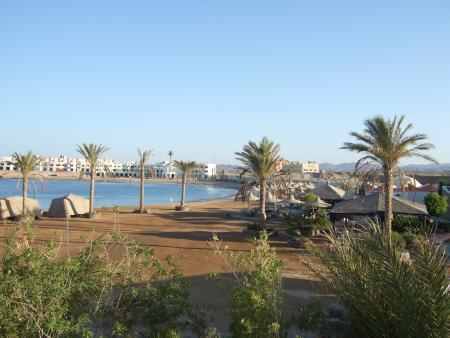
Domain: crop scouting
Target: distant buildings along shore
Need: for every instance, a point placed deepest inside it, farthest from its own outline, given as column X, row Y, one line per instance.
column 109, row 167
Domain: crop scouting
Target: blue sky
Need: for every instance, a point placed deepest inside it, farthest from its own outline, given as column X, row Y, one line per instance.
column 204, row 77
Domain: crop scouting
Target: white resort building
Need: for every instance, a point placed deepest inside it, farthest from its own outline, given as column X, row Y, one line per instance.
column 109, row 167
column 308, row 167
column 6, row 163
column 205, row 171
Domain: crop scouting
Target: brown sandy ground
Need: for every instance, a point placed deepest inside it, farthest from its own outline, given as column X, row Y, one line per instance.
column 186, row 234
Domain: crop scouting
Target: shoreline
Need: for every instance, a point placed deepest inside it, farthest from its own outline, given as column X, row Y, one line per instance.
column 233, row 186
column 213, row 183
column 188, row 203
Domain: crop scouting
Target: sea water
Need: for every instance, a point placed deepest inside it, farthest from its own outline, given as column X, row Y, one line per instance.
column 113, row 193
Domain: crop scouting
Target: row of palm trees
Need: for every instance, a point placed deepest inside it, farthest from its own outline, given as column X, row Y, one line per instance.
column 383, row 142
column 92, row 153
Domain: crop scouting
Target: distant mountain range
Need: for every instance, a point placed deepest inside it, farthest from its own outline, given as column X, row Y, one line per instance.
column 350, row 167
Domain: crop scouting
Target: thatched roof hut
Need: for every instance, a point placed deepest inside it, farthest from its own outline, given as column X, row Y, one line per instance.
column 291, row 200
column 374, row 203
column 11, row 207
column 270, row 198
column 318, row 203
column 70, row 205
column 329, row 192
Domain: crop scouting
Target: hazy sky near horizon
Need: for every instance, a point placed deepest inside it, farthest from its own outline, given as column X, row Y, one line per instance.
column 204, row 77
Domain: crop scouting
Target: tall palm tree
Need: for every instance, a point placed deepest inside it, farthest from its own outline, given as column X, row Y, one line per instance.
column 144, row 157
column 170, row 153
column 262, row 159
column 185, row 167
column 26, row 164
column 386, row 142
column 92, row 154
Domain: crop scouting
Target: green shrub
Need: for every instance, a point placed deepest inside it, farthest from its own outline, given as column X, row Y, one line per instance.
column 437, row 205
column 398, row 241
column 47, row 294
column 296, row 233
column 410, row 239
column 402, row 223
column 257, row 298
column 309, row 197
column 320, row 223
column 385, row 294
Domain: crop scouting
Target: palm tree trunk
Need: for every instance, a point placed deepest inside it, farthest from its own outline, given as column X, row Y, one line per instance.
column 141, row 204
column 183, row 189
column 24, row 196
column 262, row 205
column 91, row 194
column 388, row 191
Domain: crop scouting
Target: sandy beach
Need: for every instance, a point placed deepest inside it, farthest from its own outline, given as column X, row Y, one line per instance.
column 186, row 235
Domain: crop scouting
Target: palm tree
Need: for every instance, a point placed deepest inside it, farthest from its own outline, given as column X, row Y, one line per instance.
column 262, row 159
column 26, row 164
column 170, row 153
column 185, row 167
column 386, row 142
column 144, row 157
column 92, row 153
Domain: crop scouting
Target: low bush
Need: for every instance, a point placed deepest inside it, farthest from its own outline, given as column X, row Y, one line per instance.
column 402, row 223
column 45, row 293
column 257, row 297
column 383, row 293
column 398, row 241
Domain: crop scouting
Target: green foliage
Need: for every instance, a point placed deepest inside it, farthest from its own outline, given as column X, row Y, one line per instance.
column 402, row 223
column 437, row 205
column 320, row 223
column 387, row 141
column 185, row 166
column 305, row 224
column 412, row 238
column 92, row 153
column 45, row 293
column 257, row 297
column 262, row 158
column 26, row 163
column 309, row 197
column 385, row 293
column 398, row 241
column 115, row 210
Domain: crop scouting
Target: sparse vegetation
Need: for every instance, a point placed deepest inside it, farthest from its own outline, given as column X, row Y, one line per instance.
column 257, row 297
column 383, row 291
column 45, row 293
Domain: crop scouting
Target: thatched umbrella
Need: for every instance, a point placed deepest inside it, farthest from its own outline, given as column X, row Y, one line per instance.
column 252, row 198
column 300, row 191
column 374, row 204
column 292, row 201
column 318, row 204
column 329, row 192
column 309, row 186
column 270, row 198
